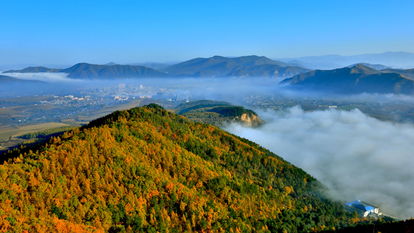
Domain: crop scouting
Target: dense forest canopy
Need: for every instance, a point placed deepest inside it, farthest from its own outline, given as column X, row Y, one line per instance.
column 147, row 169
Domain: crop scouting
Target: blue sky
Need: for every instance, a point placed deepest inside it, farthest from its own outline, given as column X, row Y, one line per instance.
column 70, row 31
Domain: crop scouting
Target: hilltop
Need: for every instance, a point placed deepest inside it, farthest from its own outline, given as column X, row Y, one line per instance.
column 147, row 170
column 92, row 71
column 372, row 66
column 33, row 69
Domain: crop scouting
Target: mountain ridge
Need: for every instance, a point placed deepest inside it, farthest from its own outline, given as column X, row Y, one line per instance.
column 93, row 71
column 216, row 66
column 245, row 66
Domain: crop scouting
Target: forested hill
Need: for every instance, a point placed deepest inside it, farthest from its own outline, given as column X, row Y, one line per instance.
column 147, row 169
column 218, row 113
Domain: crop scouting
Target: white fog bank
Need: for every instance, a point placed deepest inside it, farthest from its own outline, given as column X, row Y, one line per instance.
column 354, row 155
column 42, row 76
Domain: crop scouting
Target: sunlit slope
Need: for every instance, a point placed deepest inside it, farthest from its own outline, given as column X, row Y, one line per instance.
column 150, row 170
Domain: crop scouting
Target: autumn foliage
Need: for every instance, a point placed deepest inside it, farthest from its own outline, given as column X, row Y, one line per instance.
column 150, row 170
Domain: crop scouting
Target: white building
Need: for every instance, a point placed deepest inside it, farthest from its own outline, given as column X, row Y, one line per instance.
column 365, row 209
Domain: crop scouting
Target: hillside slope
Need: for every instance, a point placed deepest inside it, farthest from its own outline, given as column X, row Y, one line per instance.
column 408, row 73
column 150, row 170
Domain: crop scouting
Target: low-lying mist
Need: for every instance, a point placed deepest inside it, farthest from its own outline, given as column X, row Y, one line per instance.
column 230, row 89
column 44, row 76
column 354, row 155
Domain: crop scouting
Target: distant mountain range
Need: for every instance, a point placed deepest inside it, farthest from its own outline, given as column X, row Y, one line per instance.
column 92, row 71
column 217, row 66
column 246, row 66
column 391, row 59
column 356, row 79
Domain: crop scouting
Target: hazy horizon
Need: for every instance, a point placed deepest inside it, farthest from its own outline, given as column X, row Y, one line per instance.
column 144, row 62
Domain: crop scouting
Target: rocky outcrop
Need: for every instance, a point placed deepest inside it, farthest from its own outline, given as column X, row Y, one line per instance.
column 250, row 120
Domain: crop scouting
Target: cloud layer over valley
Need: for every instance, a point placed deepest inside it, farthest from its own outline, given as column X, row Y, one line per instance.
column 354, row 155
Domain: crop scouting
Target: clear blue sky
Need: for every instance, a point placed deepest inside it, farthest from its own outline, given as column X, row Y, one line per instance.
column 70, row 31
